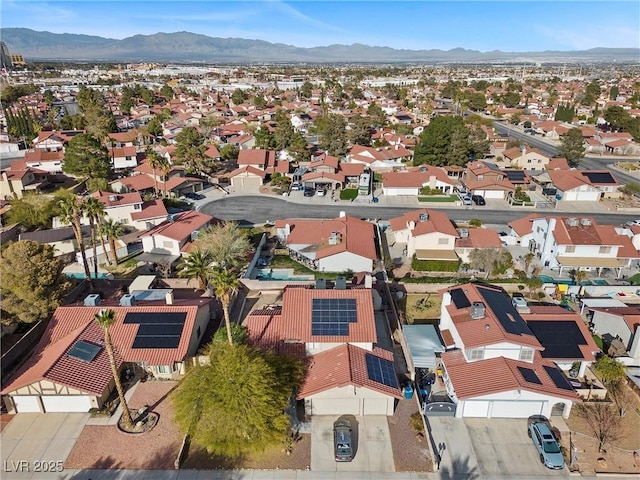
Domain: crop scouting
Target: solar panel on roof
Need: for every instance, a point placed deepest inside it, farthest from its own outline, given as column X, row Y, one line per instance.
column 156, row 342
column 155, row 317
column 558, row 378
column 84, row 351
column 459, row 298
column 157, row 330
column 560, row 338
column 599, row 177
column 515, row 175
column 332, row 316
column 529, row 375
column 381, row 370
column 509, row 318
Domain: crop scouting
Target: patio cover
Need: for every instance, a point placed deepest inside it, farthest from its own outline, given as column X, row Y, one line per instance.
column 423, row 343
column 160, row 258
column 593, row 262
column 434, row 254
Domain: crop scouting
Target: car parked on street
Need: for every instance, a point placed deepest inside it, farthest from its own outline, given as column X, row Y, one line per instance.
column 478, row 199
column 547, row 445
column 342, row 440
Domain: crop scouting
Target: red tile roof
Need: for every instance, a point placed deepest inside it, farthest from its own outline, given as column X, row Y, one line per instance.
column 436, row 222
column 257, row 157
column 470, row 379
column 523, row 226
column 150, row 209
column 480, row 238
column 343, row 366
column 182, row 226
column 109, row 199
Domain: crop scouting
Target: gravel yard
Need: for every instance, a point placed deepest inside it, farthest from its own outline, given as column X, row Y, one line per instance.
column 106, row 447
column 409, row 453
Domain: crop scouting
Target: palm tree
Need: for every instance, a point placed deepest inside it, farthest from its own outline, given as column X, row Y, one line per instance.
column 112, row 230
column 165, row 167
column 528, row 259
column 71, row 210
column 226, row 284
column 154, row 160
column 197, row 265
column 105, row 319
column 94, row 210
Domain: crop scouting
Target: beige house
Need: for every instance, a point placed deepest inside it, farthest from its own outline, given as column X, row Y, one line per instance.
column 429, row 234
column 524, row 158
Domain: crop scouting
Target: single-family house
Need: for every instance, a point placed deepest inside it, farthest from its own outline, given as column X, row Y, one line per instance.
column 413, row 180
column 583, row 185
column 63, row 240
column 380, row 158
column 470, row 239
column 484, row 179
column 123, row 157
column 621, row 323
column 525, row 159
column 16, row 181
column 45, row 160
column 338, row 245
column 428, row 234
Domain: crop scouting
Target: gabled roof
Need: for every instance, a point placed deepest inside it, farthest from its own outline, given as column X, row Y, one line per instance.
column 181, row 226
column 436, row 222
column 110, row 200
column 257, row 157
column 246, row 170
column 343, row 366
column 55, row 234
column 470, row 379
column 293, row 322
column 523, row 226
column 151, row 209
column 480, row 238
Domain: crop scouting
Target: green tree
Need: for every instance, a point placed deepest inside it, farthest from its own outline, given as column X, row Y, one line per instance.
column 197, row 265
column 614, row 92
column 298, row 148
column 32, row 211
column 609, row 370
column 360, row 131
column 511, row 99
column 112, row 230
column 71, row 211
column 264, row 138
column 106, row 318
column 87, row 158
column 376, row 114
column 451, row 90
column 155, row 161
column 167, row 92
column 572, row 146
column 238, row 96
column 154, row 127
column 229, row 152
column 592, row 93
column 490, row 260
column 190, row 150
column 332, row 132
column 237, row 402
column 306, row 90
column 283, row 134
column 238, row 333
column 33, row 284
column 445, row 141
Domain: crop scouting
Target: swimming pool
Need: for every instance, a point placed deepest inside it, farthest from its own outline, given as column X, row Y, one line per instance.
column 599, row 281
column 547, row 279
column 282, row 274
column 82, row 276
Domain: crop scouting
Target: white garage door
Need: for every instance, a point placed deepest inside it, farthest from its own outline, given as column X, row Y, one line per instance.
column 520, row 409
column 26, row 403
column 335, row 406
column 66, row 403
column 476, row 408
column 494, row 194
column 375, row 406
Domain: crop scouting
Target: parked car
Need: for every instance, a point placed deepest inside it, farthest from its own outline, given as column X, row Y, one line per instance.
column 547, row 445
column 295, row 186
column 466, row 199
column 308, row 192
column 342, row 440
column 633, row 223
column 478, row 199
column 320, row 192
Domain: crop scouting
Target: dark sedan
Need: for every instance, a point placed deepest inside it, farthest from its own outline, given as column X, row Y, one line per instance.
column 478, row 199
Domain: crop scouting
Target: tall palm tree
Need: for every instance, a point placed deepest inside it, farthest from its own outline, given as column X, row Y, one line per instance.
column 94, row 210
column 197, row 265
column 71, row 210
column 154, row 159
column 226, row 284
column 112, row 230
column 106, row 318
column 165, row 167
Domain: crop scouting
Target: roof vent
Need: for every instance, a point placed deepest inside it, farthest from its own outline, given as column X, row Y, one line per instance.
column 334, row 239
column 127, row 300
column 113, row 198
column 464, row 232
column 572, row 222
column 424, row 217
column 171, row 218
column 478, row 310
column 321, row 284
column 585, row 222
column 341, row 283
column 92, row 300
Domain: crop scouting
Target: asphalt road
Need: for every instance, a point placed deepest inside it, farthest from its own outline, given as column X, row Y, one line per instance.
column 258, row 209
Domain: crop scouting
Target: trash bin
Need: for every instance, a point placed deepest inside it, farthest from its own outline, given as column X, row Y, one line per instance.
column 375, row 199
column 408, row 391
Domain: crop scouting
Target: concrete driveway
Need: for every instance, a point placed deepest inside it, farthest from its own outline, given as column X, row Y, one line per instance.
column 480, row 446
column 39, row 440
column 372, row 443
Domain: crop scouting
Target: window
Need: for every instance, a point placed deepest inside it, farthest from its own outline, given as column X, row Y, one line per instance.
column 526, row 355
column 570, row 249
column 605, row 250
column 475, row 354
column 163, row 369
column 443, row 241
column 529, row 161
column 480, row 177
column 137, row 206
column 500, row 177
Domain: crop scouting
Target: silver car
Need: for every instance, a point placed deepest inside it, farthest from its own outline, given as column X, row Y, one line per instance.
column 342, row 440
column 547, row 445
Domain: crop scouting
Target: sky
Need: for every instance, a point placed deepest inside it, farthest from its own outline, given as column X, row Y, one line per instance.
column 507, row 25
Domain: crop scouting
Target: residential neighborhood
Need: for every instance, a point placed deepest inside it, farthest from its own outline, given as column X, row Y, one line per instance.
column 326, row 269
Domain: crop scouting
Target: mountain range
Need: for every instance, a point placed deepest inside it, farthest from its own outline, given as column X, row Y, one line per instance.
column 190, row 47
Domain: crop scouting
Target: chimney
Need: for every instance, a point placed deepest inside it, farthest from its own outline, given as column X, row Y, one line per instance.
column 478, row 310
column 412, row 225
column 169, row 297
column 343, row 214
column 368, row 281
column 287, row 230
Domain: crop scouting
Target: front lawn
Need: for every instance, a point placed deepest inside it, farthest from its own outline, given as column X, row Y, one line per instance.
column 348, row 194
column 438, row 198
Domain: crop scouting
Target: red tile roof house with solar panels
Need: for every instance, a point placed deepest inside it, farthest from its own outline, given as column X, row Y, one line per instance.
column 336, row 331
column 495, row 366
column 69, row 371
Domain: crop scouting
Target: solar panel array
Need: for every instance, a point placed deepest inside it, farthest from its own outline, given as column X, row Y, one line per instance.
column 558, row 378
column 529, row 375
column 84, row 351
column 381, row 371
column 560, row 339
column 505, row 312
column 515, row 175
column 332, row 316
column 459, row 298
column 157, row 330
column 599, row 177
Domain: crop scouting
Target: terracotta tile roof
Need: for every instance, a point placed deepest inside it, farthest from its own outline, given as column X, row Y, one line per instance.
column 325, row 160
column 212, row 151
column 39, row 155
column 246, row 170
column 470, row 379
column 257, row 157
column 109, row 199
column 355, row 236
column 336, row 177
column 491, row 183
column 150, row 209
column 475, row 332
column 293, row 324
column 417, row 177
column 182, row 226
column 118, row 152
column 480, row 238
column 437, row 222
column 559, row 163
column 343, row 366
column 124, row 137
column 523, row 226
column 351, row 169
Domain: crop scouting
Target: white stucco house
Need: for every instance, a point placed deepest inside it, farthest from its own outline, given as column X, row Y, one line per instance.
column 428, row 234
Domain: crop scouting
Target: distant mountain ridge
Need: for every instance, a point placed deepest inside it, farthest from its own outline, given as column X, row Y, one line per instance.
column 191, row 47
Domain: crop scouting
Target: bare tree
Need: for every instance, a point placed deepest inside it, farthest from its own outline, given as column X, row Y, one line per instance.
column 603, row 421
column 622, row 395
column 490, row 260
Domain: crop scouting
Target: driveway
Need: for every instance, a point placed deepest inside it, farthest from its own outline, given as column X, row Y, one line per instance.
column 480, row 446
column 372, row 443
column 35, row 440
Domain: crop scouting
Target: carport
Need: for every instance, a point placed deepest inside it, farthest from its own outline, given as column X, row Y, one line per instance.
column 423, row 344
